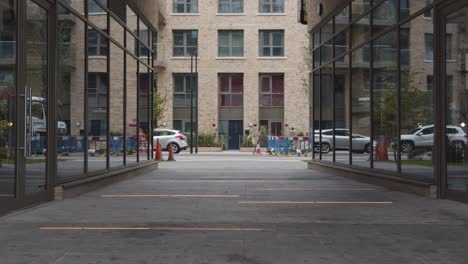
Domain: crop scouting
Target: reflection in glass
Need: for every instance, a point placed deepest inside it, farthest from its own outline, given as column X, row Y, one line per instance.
column 131, row 129
column 409, row 7
column 116, row 90
column 36, row 94
column 384, row 16
column 457, row 101
column 143, row 112
column 316, row 113
column 342, row 132
column 416, row 106
column 7, row 100
column 360, row 115
column 97, row 100
column 326, row 112
column 385, row 88
column 360, row 31
column 359, row 8
column 70, row 97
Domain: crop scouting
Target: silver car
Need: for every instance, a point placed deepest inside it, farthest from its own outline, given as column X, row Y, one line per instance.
column 169, row 136
column 360, row 143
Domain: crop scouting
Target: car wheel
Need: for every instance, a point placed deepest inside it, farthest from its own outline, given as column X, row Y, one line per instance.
column 367, row 148
column 325, row 148
column 407, row 146
column 175, row 148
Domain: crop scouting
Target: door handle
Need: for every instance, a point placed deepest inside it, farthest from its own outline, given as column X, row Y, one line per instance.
column 27, row 117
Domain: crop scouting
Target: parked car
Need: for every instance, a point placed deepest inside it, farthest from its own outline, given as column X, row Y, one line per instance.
column 360, row 143
column 424, row 137
column 169, row 136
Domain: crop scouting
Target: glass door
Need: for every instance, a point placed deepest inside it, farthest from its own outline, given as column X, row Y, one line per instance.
column 455, row 43
column 36, row 78
column 8, row 90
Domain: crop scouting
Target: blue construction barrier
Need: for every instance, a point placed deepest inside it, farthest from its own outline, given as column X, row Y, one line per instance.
column 289, row 144
column 73, row 144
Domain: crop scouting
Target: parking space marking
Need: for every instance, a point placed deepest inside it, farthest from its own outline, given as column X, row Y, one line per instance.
column 168, row 196
column 317, row 190
column 311, row 202
column 214, row 229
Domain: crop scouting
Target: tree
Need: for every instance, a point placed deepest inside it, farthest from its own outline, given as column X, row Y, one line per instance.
column 159, row 106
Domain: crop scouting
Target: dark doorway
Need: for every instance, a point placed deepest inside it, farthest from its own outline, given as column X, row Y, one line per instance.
column 235, row 132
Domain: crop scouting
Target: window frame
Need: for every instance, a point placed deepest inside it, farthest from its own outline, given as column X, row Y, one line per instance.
column 271, row 45
column 270, row 92
column 271, row 7
column 230, row 6
column 101, row 42
column 98, row 78
column 184, row 45
column 230, row 46
column 230, row 93
column 189, row 6
column 186, row 89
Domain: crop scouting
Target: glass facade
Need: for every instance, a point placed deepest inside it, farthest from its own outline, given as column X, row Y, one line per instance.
column 378, row 97
column 371, row 87
column 85, row 103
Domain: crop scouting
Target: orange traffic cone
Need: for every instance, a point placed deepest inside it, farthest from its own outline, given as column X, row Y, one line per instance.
column 159, row 155
column 171, row 153
column 257, row 149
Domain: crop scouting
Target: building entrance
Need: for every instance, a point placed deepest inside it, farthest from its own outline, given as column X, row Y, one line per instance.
column 24, row 107
column 455, row 89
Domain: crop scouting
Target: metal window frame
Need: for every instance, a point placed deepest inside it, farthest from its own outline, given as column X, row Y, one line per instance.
column 230, row 7
column 271, row 4
column 230, row 93
column 230, row 42
column 270, row 45
column 270, row 93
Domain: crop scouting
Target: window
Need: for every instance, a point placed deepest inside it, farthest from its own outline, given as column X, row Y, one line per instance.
column 97, row 91
column 143, row 36
column 231, row 6
column 185, row 6
column 97, row 43
column 428, row 12
column 231, row 43
column 271, row 6
column 94, row 7
column 185, row 43
column 272, row 90
column 272, row 43
column 182, row 89
column 429, row 42
column 231, row 87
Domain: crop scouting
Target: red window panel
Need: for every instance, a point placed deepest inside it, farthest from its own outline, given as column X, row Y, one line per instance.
column 277, row 84
column 237, row 100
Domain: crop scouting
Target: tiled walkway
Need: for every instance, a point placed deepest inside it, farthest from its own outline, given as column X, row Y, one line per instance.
column 238, row 209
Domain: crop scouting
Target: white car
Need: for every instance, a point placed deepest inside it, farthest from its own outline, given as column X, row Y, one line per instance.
column 169, row 136
column 360, row 143
column 424, row 137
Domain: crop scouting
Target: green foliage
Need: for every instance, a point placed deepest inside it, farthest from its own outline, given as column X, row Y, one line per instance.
column 247, row 141
column 413, row 107
column 159, row 106
column 206, row 139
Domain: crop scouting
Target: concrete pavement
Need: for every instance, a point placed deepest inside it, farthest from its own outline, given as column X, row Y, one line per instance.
column 238, row 208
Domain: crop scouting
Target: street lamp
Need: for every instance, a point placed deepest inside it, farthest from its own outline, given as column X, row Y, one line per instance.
column 193, row 56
